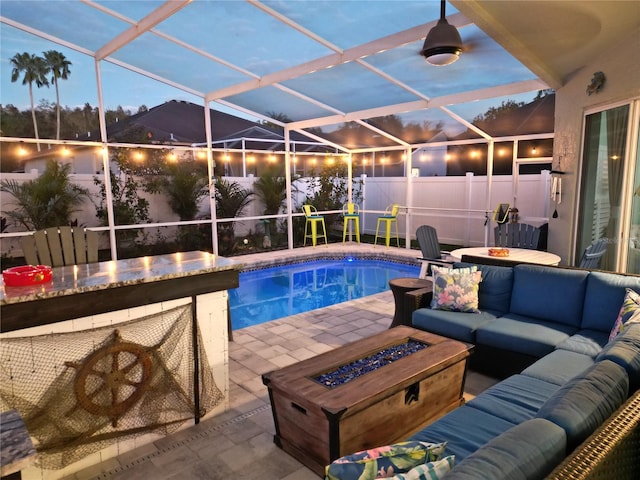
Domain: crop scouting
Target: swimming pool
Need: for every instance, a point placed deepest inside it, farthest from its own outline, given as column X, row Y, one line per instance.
column 277, row 292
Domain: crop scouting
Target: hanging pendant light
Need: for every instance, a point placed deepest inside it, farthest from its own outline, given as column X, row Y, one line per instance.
column 443, row 44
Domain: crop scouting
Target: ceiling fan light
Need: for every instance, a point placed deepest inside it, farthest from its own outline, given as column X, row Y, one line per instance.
column 443, row 44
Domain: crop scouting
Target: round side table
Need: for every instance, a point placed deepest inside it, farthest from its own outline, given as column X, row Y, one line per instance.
column 400, row 286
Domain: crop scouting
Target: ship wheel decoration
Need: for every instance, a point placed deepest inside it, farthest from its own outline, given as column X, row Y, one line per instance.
column 113, row 378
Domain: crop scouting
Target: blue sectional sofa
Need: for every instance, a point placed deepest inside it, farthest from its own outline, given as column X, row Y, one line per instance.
column 556, row 321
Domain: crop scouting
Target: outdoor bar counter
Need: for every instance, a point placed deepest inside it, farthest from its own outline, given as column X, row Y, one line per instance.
column 80, row 298
column 82, row 290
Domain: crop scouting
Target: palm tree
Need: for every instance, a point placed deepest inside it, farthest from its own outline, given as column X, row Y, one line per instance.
column 185, row 187
column 231, row 200
column 272, row 190
column 47, row 201
column 35, row 70
column 59, row 67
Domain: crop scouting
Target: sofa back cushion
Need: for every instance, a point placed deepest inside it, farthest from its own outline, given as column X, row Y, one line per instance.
column 549, row 293
column 604, row 297
column 494, row 294
column 529, row 450
column 582, row 404
column 625, row 351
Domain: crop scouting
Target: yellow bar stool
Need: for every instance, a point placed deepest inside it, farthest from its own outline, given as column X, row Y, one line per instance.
column 351, row 212
column 390, row 217
column 312, row 218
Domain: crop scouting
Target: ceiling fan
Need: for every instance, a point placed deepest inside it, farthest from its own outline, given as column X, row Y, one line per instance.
column 443, row 44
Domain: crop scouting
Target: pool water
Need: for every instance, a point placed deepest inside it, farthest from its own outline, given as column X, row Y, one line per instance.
column 277, row 292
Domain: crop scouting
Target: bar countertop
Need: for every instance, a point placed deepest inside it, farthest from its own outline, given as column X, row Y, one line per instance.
column 80, row 290
column 111, row 274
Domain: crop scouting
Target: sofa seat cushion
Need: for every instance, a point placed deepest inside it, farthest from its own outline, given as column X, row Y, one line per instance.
column 523, row 334
column 527, row 451
column 465, row 429
column 458, row 325
column 588, row 342
column 603, row 298
column 515, row 399
column 587, row 400
column 559, row 366
column 494, row 294
column 625, row 351
column 549, row 293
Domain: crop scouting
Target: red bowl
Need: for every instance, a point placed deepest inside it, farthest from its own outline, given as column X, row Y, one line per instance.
column 26, row 275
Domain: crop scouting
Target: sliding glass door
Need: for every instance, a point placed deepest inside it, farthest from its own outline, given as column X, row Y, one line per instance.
column 633, row 251
column 608, row 208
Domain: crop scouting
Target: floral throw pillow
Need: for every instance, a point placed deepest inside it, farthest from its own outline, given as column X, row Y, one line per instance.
column 428, row 471
column 456, row 289
column 384, row 462
column 629, row 313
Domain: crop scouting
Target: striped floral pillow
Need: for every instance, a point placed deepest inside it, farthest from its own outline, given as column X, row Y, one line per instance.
column 629, row 313
column 456, row 289
column 428, row 471
column 384, row 462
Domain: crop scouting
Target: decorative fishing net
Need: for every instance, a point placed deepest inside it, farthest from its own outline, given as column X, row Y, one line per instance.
column 82, row 391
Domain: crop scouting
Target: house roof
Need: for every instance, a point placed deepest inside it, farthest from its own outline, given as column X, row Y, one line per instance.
column 181, row 122
column 527, row 119
column 178, row 122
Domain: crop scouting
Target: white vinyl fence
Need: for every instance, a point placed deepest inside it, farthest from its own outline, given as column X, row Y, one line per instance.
column 456, row 206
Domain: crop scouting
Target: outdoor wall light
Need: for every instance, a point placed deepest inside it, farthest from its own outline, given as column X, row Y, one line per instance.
column 443, row 44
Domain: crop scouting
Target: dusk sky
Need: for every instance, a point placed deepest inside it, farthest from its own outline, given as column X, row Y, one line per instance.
column 238, row 37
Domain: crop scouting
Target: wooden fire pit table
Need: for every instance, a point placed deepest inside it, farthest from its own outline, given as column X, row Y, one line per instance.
column 319, row 416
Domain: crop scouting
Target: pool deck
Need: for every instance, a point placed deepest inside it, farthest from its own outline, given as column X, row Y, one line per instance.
column 239, row 443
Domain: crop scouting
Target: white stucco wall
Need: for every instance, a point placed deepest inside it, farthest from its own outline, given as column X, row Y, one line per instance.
column 622, row 70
